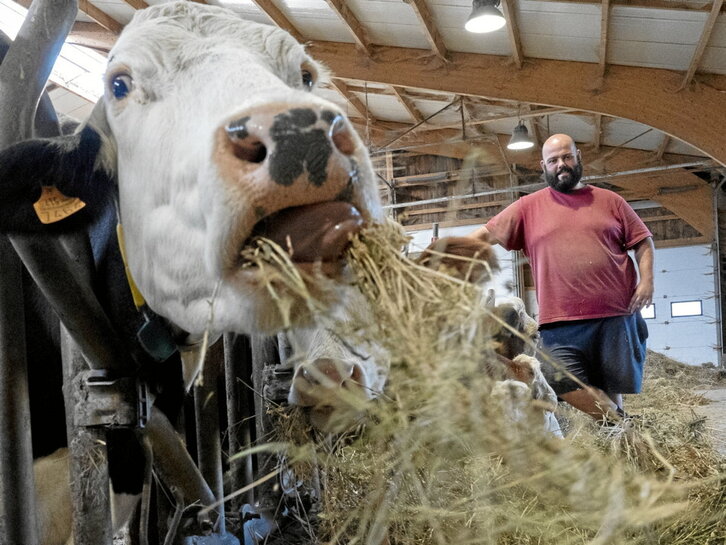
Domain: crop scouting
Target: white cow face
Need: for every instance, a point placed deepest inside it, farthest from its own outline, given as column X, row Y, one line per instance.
column 216, row 128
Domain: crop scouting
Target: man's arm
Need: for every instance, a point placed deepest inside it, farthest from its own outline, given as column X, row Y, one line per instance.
column 644, row 255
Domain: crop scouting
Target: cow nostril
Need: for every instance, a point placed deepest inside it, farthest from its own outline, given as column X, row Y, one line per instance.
column 341, row 136
column 245, row 146
column 250, row 151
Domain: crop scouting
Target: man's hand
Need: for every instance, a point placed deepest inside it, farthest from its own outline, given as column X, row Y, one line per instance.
column 642, row 297
column 468, row 257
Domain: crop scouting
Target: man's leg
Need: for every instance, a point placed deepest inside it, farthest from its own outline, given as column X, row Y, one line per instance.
column 594, row 402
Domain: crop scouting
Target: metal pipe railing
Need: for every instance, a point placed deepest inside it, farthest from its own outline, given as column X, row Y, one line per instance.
column 17, row 501
column 206, row 412
column 237, row 375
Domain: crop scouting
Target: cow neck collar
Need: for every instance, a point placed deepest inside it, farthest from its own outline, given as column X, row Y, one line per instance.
column 158, row 337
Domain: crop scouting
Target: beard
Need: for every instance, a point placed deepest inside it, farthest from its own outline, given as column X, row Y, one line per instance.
column 565, row 185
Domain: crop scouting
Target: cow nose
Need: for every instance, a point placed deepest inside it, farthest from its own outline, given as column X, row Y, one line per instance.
column 298, row 126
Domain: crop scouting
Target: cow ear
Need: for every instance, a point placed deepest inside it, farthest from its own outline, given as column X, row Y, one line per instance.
column 68, row 163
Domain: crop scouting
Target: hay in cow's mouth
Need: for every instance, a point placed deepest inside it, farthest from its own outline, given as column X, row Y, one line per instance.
column 440, row 463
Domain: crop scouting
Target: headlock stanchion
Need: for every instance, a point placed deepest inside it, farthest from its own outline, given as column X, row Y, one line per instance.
column 17, row 505
column 206, row 411
column 240, row 410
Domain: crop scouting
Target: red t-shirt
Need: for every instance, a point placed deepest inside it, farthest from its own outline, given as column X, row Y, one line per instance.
column 577, row 246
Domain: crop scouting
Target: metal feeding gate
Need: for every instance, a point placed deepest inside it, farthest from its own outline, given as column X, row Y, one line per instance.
column 100, row 385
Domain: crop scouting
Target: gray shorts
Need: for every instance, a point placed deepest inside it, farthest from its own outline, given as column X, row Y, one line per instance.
column 607, row 353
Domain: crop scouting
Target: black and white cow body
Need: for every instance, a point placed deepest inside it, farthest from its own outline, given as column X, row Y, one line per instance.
column 209, row 133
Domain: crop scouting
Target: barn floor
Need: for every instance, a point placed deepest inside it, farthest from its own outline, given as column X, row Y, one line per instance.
column 715, row 413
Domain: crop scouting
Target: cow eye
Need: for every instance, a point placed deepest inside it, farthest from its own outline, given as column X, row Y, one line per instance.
column 121, row 85
column 307, row 79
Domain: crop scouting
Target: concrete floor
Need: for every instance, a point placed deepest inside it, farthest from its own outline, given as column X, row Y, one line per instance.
column 715, row 412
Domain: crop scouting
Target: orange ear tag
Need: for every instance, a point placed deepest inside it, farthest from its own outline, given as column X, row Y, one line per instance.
column 53, row 206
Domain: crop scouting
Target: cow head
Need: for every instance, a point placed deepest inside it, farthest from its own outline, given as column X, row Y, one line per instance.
column 212, row 131
column 335, row 377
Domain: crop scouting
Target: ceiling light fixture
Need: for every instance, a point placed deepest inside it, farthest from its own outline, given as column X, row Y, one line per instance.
column 520, row 138
column 485, row 17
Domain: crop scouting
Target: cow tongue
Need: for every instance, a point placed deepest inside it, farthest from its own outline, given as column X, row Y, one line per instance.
column 314, row 232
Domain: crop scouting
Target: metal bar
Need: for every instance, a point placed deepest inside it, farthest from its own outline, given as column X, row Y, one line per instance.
column 172, row 461
column 264, row 352
column 88, row 460
column 540, row 185
column 238, row 371
column 17, row 501
column 63, row 283
column 206, row 412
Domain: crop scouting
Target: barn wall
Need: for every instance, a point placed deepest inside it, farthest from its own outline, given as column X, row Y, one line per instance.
column 681, row 274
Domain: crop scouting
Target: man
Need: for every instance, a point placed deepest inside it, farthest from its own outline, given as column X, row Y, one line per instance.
column 577, row 238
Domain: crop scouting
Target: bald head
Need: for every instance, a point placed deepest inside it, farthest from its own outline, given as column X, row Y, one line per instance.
column 561, row 163
column 558, row 141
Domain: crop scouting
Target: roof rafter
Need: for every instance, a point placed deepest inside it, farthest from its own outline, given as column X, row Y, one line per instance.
column 91, row 35
column 702, row 42
column 273, row 12
column 353, row 100
column 604, row 26
column 137, row 4
column 639, row 94
column 513, row 32
column 662, row 147
column 407, row 103
column 648, row 4
column 597, row 136
column 422, row 11
column 102, row 18
column 350, row 20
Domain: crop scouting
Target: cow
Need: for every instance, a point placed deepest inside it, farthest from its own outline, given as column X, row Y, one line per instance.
column 516, row 337
column 335, row 377
column 209, row 134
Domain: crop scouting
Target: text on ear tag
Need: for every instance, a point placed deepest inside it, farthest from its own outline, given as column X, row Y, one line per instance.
column 54, row 206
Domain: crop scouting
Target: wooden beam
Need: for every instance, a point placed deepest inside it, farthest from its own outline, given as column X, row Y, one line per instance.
column 92, row 35
column 452, row 223
column 597, row 137
column 273, row 12
column 647, row 4
column 456, row 207
column 702, row 42
column 426, row 18
column 678, row 242
column 604, row 25
column 513, row 32
column 350, row 20
column 641, row 94
column 662, row 147
column 137, row 4
column 407, row 103
column 531, row 124
column 353, row 100
column 102, row 18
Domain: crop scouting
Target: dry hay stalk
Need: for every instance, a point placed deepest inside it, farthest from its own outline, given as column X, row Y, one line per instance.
column 441, row 462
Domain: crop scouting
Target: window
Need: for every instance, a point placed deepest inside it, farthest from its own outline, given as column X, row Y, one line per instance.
column 648, row 312
column 686, row 308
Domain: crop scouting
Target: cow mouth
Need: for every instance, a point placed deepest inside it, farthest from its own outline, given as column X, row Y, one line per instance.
column 314, row 233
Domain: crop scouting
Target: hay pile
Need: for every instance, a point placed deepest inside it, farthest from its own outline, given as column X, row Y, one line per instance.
column 439, row 462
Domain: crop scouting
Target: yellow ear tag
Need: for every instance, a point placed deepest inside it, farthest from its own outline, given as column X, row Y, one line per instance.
column 53, row 206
